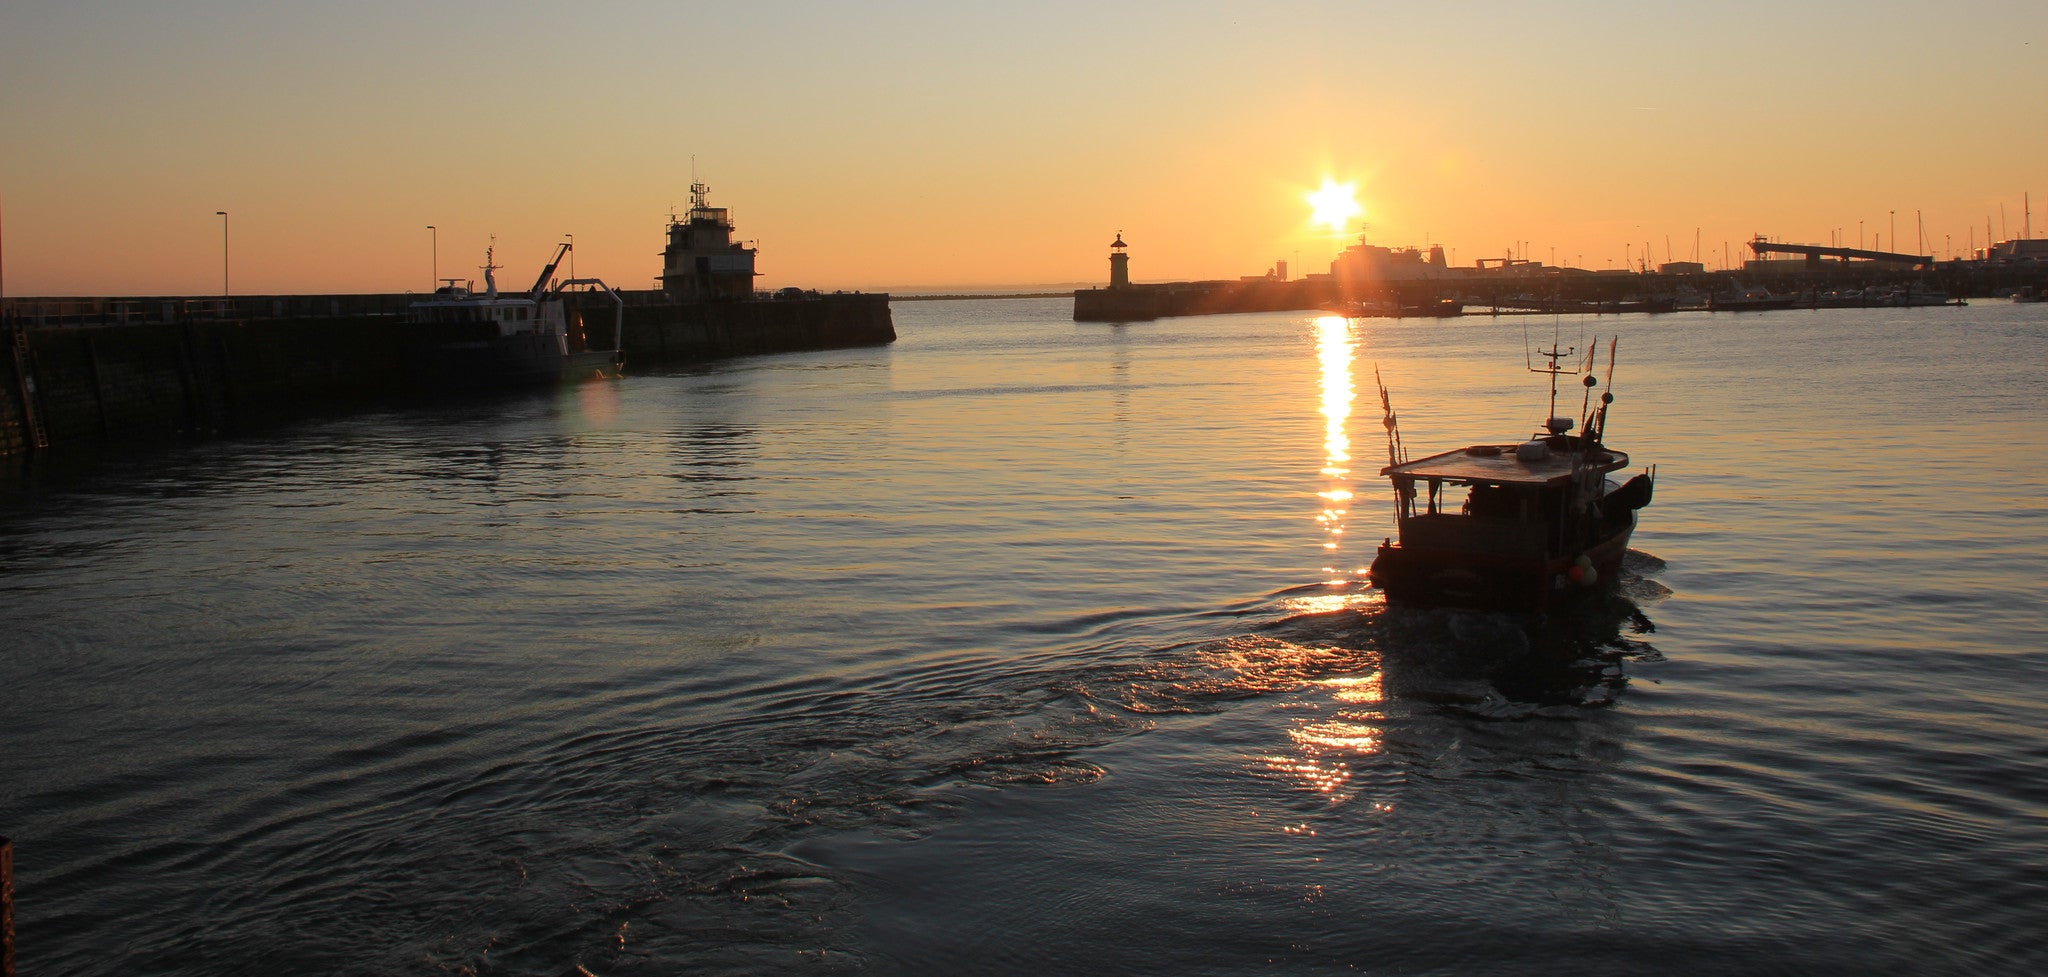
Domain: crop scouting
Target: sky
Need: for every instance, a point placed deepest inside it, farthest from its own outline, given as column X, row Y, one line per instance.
column 937, row 145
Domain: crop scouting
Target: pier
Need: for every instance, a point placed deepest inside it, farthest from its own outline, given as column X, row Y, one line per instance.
column 1813, row 253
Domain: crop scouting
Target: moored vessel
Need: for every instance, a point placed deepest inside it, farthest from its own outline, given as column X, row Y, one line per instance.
column 1744, row 298
column 1513, row 527
column 493, row 340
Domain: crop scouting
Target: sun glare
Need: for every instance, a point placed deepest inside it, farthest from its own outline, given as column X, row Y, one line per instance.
column 1335, row 204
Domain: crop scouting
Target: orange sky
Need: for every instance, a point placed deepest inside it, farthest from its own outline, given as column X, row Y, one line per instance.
column 938, row 145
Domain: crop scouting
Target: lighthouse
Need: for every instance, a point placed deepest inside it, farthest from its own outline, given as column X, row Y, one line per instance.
column 1119, row 263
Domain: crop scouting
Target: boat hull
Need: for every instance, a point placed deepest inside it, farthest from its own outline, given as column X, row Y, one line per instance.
column 1495, row 582
column 1717, row 303
column 510, row 363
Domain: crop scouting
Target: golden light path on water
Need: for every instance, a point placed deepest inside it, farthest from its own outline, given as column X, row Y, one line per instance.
column 1335, row 348
column 1326, row 744
column 1334, row 351
column 1348, row 724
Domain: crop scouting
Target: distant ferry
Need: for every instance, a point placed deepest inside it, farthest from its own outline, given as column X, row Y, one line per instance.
column 523, row 340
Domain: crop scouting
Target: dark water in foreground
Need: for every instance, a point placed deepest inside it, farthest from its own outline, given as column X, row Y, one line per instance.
column 1031, row 647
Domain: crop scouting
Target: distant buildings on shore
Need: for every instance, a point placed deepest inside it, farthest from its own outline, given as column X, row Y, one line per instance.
column 1373, row 279
column 1371, row 264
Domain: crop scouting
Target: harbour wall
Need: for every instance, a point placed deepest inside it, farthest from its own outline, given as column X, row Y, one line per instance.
column 79, row 371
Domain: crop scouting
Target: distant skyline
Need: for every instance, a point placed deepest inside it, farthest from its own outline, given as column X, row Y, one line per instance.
column 938, row 145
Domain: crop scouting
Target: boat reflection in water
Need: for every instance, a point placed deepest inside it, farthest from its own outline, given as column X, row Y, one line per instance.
column 1371, row 690
column 1489, row 663
column 1495, row 665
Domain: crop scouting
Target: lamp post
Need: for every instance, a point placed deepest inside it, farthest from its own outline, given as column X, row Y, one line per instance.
column 223, row 215
column 435, row 235
column 1894, row 233
column 572, row 256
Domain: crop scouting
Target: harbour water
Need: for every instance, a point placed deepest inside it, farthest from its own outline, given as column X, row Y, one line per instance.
column 1025, row 646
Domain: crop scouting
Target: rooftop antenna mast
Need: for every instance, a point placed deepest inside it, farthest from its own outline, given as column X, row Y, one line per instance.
column 697, row 190
column 489, row 266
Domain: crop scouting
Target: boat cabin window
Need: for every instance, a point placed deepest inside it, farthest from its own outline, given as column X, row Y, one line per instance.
column 1479, row 501
column 1434, row 496
column 1448, row 497
column 1491, row 502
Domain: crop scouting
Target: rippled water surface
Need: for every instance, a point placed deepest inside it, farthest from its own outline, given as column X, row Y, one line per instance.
column 1026, row 646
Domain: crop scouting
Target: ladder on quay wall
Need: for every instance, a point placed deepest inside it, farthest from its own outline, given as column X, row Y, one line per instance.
column 34, row 421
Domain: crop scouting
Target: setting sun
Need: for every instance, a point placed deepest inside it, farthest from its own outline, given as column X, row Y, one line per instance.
column 1335, row 204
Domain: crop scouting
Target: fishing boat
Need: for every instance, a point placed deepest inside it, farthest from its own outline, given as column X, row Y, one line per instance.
column 1522, row 526
column 534, row 338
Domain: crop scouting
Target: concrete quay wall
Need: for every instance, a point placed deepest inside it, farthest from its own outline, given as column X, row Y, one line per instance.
column 85, row 384
column 73, row 378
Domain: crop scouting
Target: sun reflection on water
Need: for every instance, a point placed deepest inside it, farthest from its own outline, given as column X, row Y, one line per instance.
column 1356, row 689
column 1326, row 746
column 1363, row 601
column 1334, row 351
column 595, row 404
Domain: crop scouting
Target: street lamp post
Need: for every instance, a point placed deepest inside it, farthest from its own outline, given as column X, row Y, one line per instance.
column 572, row 256
column 435, row 234
column 223, row 215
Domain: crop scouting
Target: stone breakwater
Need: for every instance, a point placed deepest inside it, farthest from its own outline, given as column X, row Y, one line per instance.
column 87, row 371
